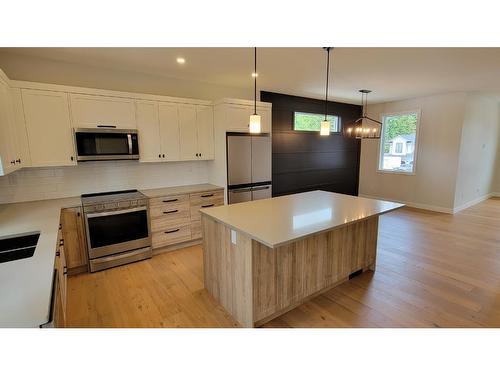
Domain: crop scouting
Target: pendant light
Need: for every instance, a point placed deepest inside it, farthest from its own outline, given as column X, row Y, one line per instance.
column 324, row 129
column 364, row 127
column 254, row 125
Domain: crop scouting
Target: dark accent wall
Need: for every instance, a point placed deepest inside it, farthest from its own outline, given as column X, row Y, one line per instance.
column 304, row 161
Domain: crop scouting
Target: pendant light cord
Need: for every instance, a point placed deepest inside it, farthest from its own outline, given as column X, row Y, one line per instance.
column 255, row 82
column 327, row 76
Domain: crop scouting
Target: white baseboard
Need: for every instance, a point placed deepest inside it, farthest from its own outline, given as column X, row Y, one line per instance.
column 473, row 202
column 445, row 210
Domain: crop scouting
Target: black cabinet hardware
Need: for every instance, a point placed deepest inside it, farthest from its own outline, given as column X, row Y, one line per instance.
column 163, row 155
column 207, row 205
column 170, row 212
column 170, row 200
column 207, row 195
column 18, row 161
column 72, row 158
column 159, row 155
column 65, row 270
column 172, row 231
column 107, row 126
column 58, row 253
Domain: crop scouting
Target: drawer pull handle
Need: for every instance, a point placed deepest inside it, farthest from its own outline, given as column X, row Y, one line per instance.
column 207, row 205
column 58, row 253
column 61, row 242
column 172, row 231
column 171, row 200
column 207, row 195
column 65, row 270
column 107, row 126
column 170, row 212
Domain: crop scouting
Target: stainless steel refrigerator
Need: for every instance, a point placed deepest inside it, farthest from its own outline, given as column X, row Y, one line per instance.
column 248, row 167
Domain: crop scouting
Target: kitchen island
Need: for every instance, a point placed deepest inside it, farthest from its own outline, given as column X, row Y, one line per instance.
column 263, row 258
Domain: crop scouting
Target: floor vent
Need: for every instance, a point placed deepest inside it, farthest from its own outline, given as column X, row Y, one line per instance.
column 354, row 274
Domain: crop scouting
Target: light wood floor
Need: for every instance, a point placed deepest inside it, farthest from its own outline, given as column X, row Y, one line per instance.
column 433, row 270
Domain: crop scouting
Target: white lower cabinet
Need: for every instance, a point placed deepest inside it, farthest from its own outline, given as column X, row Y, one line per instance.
column 50, row 137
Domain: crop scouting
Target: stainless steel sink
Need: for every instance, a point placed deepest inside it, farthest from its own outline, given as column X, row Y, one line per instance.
column 18, row 246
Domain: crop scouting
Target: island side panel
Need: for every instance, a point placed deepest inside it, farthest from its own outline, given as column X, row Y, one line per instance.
column 289, row 275
column 228, row 269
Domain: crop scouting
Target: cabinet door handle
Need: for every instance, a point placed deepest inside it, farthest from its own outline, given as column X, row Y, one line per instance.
column 172, row 231
column 159, row 155
column 12, row 162
column 107, row 126
column 170, row 212
column 58, row 253
column 170, row 200
column 65, row 270
column 61, row 242
column 18, row 161
column 72, row 158
column 207, row 205
column 207, row 195
column 163, row 155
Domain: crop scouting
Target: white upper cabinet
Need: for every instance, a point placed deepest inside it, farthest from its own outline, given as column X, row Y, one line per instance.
column 148, row 126
column 169, row 131
column 48, row 127
column 205, row 131
column 23, row 152
column 8, row 143
column 188, row 137
column 92, row 111
column 237, row 117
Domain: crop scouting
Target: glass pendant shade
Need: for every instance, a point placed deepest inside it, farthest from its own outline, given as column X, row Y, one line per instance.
column 325, row 128
column 254, row 124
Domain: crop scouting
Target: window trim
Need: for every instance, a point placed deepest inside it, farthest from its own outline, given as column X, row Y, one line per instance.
column 381, row 143
column 339, row 131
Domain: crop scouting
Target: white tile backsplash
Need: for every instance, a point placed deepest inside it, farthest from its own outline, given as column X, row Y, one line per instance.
column 30, row 184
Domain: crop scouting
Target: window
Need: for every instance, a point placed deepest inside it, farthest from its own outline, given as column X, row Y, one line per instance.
column 398, row 142
column 312, row 122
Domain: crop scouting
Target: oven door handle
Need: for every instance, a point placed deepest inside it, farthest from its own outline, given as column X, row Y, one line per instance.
column 118, row 212
column 129, row 138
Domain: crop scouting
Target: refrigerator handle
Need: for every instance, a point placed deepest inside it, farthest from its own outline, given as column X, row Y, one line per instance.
column 261, row 188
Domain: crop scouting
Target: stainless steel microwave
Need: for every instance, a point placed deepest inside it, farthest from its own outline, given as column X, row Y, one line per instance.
column 106, row 144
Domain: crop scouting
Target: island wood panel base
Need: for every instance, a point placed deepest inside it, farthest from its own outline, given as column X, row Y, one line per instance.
column 255, row 283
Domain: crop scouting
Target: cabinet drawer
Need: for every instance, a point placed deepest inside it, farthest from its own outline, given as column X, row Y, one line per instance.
column 168, row 221
column 169, row 200
column 195, row 210
column 206, row 197
column 171, row 236
column 169, row 210
column 196, row 229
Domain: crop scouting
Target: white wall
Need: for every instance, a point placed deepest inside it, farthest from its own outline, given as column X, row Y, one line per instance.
column 46, row 183
column 27, row 68
column 438, row 144
column 478, row 150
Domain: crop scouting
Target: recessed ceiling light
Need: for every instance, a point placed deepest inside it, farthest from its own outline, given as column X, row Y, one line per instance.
column 181, row 60
column 255, row 75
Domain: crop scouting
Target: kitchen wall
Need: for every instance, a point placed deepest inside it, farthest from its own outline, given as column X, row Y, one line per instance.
column 46, row 183
column 439, row 139
column 305, row 161
column 478, row 151
column 28, row 68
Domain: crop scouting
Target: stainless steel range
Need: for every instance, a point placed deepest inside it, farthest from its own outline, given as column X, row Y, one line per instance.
column 117, row 225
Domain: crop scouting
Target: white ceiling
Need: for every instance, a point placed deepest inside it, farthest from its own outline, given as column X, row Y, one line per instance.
column 391, row 73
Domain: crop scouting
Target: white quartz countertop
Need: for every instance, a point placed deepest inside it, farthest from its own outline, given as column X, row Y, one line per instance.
column 178, row 190
column 277, row 221
column 26, row 284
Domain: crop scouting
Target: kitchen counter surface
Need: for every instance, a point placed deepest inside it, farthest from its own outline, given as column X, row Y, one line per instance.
column 26, row 284
column 277, row 221
column 178, row 190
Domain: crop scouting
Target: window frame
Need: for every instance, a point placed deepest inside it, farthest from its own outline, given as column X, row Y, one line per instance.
column 339, row 131
column 415, row 146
